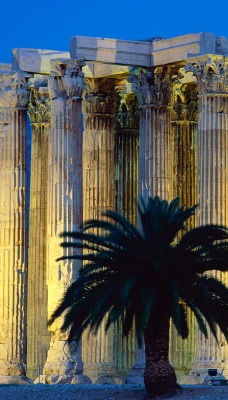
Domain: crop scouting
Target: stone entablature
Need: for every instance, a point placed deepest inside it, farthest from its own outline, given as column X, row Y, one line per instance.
column 138, row 137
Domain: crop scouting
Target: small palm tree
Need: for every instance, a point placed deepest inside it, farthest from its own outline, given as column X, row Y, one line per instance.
column 146, row 277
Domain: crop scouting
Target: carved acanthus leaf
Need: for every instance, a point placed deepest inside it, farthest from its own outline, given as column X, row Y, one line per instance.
column 184, row 103
column 153, row 86
column 66, row 79
column 13, row 90
column 211, row 75
column 127, row 116
column 100, row 97
column 39, row 106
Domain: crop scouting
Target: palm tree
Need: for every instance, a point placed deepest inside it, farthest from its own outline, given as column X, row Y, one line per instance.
column 147, row 276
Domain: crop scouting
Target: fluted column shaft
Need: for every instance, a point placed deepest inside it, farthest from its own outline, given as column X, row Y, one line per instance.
column 126, row 176
column 64, row 208
column 213, row 178
column 184, row 115
column 126, row 157
column 13, row 225
column 99, row 107
column 38, row 336
column 153, row 88
column 184, row 154
column 153, row 93
column 154, row 151
column 213, row 199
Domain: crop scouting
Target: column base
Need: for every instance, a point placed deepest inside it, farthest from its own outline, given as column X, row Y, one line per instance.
column 105, row 374
column 63, row 364
column 15, row 380
column 63, row 379
column 13, row 373
column 136, row 375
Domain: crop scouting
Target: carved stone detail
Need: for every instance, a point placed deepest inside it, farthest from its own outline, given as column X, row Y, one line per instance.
column 211, row 75
column 39, row 106
column 153, row 86
column 127, row 116
column 13, row 90
column 100, row 97
column 185, row 103
column 66, row 79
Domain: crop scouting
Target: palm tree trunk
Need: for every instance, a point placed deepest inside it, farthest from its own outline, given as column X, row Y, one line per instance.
column 159, row 375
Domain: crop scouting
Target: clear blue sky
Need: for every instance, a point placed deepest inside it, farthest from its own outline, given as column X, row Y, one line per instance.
column 50, row 24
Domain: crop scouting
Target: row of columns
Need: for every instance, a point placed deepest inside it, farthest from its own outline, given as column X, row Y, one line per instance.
column 160, row 161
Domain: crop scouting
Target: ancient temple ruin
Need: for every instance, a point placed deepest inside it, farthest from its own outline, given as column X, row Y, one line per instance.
column 109, row 121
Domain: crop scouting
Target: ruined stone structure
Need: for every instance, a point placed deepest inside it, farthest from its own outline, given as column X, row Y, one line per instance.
column 111, row 120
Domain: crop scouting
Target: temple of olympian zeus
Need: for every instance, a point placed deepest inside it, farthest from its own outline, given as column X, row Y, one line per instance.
column 110, row 120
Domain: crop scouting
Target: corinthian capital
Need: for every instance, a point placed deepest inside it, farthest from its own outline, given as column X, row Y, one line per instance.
column 13, row 90
column 39, row 106
column 66, row 78
column 211, row 75
column 127, row 115
column 184, row 103
column 100, row 96
column 153, row 86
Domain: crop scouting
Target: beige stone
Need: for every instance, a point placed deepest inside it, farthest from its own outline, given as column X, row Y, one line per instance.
column 167, row 75
column 142, row 53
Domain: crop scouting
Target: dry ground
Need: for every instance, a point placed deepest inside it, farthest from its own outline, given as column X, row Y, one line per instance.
column 103, row 392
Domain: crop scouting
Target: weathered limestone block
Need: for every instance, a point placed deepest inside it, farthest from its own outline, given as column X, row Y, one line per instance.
column 38, row 337
column 64, row 208
column 143, row 53
column 34, row 60
column 13, row 226
column 212, row 193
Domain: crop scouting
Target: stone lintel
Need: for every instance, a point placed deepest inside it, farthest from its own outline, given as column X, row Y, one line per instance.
column 34, row 60
column 38, row 62
column 140, row 53
column 100, row 70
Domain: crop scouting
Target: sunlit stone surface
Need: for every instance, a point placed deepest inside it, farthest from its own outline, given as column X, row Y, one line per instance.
column 38, row 337
column 154, row 121
column 13, row 226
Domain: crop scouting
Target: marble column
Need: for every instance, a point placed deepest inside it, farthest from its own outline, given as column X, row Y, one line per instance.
column 126, row 177
column 212, row 193
column 64, row 209
column 13, row 227
column 153, row 93
column 38, row 336
column 99, row 108
column 153, row 88
column 184, row 114
column 126, row 156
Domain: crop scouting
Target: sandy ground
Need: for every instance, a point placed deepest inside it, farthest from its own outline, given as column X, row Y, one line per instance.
column 103, row 392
